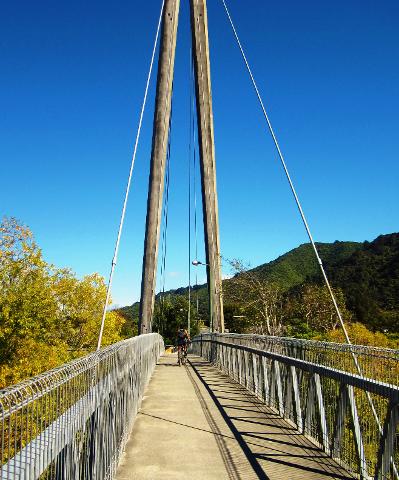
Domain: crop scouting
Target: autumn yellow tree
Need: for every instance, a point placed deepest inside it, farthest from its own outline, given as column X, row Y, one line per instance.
column 47, row 315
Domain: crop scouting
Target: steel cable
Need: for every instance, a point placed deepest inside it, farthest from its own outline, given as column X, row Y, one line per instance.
column 291, row 184
column 114, row 259
column 165, row 228
column 190, row 146
column 194, row 152
column 302, row 214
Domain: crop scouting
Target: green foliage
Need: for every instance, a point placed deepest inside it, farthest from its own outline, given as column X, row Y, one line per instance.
column 131, row 312
column 364, row 275
column 298, row 328
column 198, row 292
column 131, row 316
column 312, row 304
column 260, row 301
column 361, row 335
column 170, row 314
column 369, row 279
column 298, row 265
column 47, row 315
column 235, row 319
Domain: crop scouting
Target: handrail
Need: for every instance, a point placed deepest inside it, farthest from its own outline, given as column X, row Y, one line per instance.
column 309, row 384
column 329, row 354
column 73, row 421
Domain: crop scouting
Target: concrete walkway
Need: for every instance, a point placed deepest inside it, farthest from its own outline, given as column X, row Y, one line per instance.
column 197, row 423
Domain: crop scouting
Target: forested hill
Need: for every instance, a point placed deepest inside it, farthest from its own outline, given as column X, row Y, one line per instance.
column 368, row 274
column 298, row 265
column 370, row 281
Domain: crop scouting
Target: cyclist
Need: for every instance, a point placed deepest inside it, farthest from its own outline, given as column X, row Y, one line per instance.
column 182, row 340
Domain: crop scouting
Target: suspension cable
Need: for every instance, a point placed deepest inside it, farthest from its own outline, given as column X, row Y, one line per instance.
column 348, row 341
column 122, row 218
column 190, row 147
column 291, row 184
column 165, row 217
column 166, row 211
column 194, row 155
column 164, row 247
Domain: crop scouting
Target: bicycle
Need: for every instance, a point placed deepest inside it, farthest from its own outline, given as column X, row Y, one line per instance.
column 181, row 355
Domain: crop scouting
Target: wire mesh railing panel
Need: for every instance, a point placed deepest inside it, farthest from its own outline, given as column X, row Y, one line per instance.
column 380, row 364
column 73, row 422
column 352, row 416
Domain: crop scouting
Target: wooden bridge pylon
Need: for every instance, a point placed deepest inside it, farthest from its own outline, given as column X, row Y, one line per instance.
column 200, row 41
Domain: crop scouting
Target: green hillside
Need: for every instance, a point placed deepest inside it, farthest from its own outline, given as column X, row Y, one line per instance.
column 296, row 266
column 368, row 274
column 370, row 281
column 131, row 316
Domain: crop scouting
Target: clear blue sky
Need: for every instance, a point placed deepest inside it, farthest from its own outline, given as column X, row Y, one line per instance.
column 72, row 80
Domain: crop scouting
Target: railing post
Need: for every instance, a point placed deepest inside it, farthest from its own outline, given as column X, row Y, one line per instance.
column 279, row 388
column 322, row 412
column 256, row 377
column 266, row 387
column 386, row 448
column 297, row 399
column 340, row 416
column 357, row 433
column 310, row 406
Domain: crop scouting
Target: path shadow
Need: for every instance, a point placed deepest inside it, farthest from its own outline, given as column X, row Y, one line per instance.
column 168, row 365
column 274, row 444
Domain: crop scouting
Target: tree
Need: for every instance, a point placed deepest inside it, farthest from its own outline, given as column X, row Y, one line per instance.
column 170, row 314
column 47, row 315
column 81, row 304
column 26, row 307
column 317, row 309
column 260, row 301
column 361, row 335
column 234, row 319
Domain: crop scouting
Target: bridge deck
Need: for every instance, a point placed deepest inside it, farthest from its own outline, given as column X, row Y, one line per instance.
column 197, row 423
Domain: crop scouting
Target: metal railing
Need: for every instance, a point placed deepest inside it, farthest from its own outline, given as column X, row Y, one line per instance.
column 73, row 422
column 315, row 386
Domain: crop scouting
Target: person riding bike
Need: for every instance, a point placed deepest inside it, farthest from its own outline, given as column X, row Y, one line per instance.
column 183, row 340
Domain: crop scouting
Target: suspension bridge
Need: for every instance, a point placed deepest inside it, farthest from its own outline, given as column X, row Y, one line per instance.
column 244, row 406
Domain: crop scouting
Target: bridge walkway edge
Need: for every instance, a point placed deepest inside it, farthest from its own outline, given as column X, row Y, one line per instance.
column 195, row 421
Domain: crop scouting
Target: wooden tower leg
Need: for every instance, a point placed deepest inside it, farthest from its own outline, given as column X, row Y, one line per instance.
column 158, row 159
column 199, row 28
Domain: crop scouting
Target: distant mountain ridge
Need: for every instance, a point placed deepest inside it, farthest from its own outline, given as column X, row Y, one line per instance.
column 370, row 281
column 296, row 266
column 367, row 272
